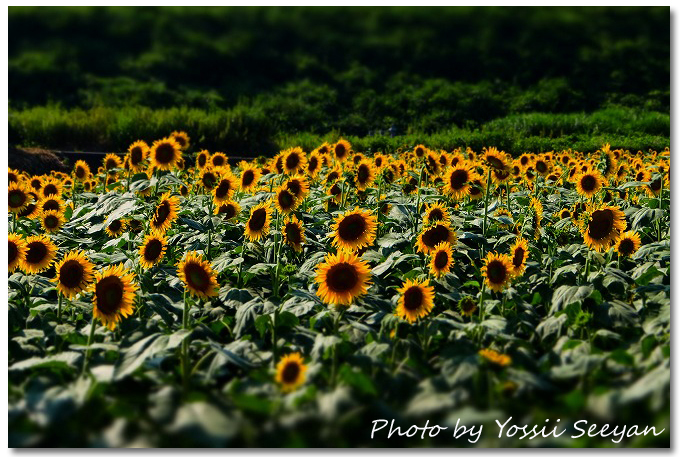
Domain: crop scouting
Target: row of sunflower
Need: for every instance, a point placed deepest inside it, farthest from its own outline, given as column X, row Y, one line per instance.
column 355, row 186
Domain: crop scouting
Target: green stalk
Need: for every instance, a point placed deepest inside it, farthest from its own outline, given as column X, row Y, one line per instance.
column 277, row 254
column 59, row 307
column 89, row 343
column 185, row 345
column 486, row 201
column 587, row 268
column 275, row 352
column 417, row 215
column 481, row 302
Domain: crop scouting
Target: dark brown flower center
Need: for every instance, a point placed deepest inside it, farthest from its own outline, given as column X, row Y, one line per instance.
column 293, row 234
column 80, row 172
column 223, row 189
column 50, row 189
column 294, row 187
column 257, row 219
column 290, row 372
column 115, row 226
column 441, row 260
column 218, row 160
column 136, row 155
column 286, row 199
column 109, row 292
column 495, row 162
column 110, row 163
column 518, row 257
column 363, row 173
column 71, row 273
column 626, row 246
column 352, row 227
column 292, row 161
column 162, row 213
column 153, row 250
column 17, row 198
column 202, row 160
column 601, row 224
column 342, row 277
column 340, row 150
column 197, row 277
column 588, row 183
column 51, row 221
column 435, row 235
column 165, row 153
column 313, row 164
column 247, row 178
column 50, row 205
column 13, row 251
column 496, row 272
column 435, row 215
column 413, row 298
column 458, row 179
column 541, row 166
column 36, row 252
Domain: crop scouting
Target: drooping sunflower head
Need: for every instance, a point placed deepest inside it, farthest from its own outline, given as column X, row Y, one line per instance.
column 341, row 150
column 198, row 276
column 115, row 227
column 290, row 372
column 18, row 197
column 457, row 180
column 365, row 174
column 257, row 226
column 628, row 243
column 52, row 221
column 441, row 259
column 225, row 188
column 250, row 175
column 181, row 138
column 430, row 237
column 519, row 253
column 293, row 233
column 112, row 161
column 165, row 153
column 589, row 183
column 40, row 253
column 497, row 271
column 74, row 274
column 114, row 295
column 436, row 212
column 81, row 171
column 416, row 300
column 152, row 250
column 137, row 154
column 286, row 201
column 342, row 278
column 229, row 209
column 17, row 251
column 354, row 230
column 294, row 160
column 603, row 226
column 166, row 213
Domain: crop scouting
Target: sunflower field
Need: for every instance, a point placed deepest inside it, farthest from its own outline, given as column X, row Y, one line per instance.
column 172, row 298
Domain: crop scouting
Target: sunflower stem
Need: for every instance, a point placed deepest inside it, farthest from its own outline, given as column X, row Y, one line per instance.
column 417, row 215
column 481, row 302
column 185, row 345
column 486, row 201
column 59, row 307
column 275, row 352
column 210, row 210
column 88, row 351
column 277, row 253
column 587, row 268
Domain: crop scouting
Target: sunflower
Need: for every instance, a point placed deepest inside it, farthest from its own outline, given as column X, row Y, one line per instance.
column 436, row 212
column 181, row 138
column 74, row 274
column 420, row 151
column 40, row 252
column 18, row 197
column 52, row 204
column 115, row 228
column 286, row 201
column 342, row 277
column 228, row 209
column 441, row 259
column 219, row 160
column 628, row 243
column 165, row 153
column 31, row 210
column 225, row 188
column 134, row 225
column 35, row 183
column 250, row 175
column 209, row 177
column 165, row 213
column 51, row 187
column 152, row 250
column 13, row 175
column 519, row 253
column 198, row 276
column 502, row 360
column 112, row 161
column 497, row 271
column 365, row 174
column 457, row 180
column 564, row 213
column 114, row 295
column 258, row 223
column 17, row 251
column 299, row 186
column 354, row 229
column 313, row 164
column 202, row 159
column 137, row 154
column 293, row 233
column 290, row 372
column 294, row 160
column 430, row 237
column 341, row 150
column 589, row 183
column 495, row 159
column 467, row 306
column 335, row 191
column 542, row 166
column 416, row 300
column 81, row 171
column 52, row 221
column 333, row 175
column 603, row 226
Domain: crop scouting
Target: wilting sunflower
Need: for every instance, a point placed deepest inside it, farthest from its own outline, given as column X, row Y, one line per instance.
column 293, row 233
column 589, row 183
column 225, row 188
column 441, row 259
column 165, row 153
column 258, row 223
column 40, row 252
column 467, row 306
column 299, row 186
column 250, row 175
column 365, row 174
column 354, row 229
column 81, row 171
column 137, row 154
column 114, row 295
column 416, row 301
column 436, row 212
column 74, row 274
column 341, row 150
column 519, row 253
column 229, row 210
column 165, row 214
column 152, row 250
column 628, row 243
column 219, row 160
column 290, row 372
column 181, row 138
column 430, row 237
column 457, row 180
column 603, row 226
column 52, row 221
column 294, row 160
column 17, row 251
column 115, row 228
column 202, row 159
column 285, row 199
column 198, row 276
column 18, row 197
column 342, row 278
column 497, row 271
column 112, row 161
column 496, row 358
